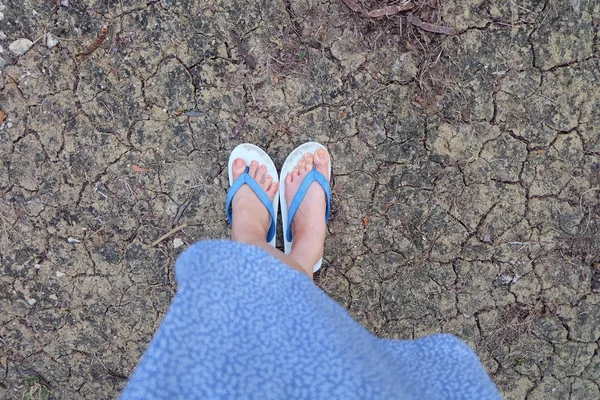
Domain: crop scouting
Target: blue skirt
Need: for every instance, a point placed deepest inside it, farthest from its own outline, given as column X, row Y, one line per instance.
column 243, row 325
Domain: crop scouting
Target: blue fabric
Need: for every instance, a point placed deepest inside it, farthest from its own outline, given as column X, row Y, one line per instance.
column 246, row 179
column 245, row 326
column 312, row 176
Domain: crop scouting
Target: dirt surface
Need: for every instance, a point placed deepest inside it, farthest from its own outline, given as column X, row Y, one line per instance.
column 466, row 173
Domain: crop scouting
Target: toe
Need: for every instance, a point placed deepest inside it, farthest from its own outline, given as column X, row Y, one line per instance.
column 260, row 175
column 273, row 189
column 266, row 182
column 301, row 164
column 253, row 168
column 308, row 160
column 238, row 168
column 288, row 178
column 322, row 162
column 296, row 171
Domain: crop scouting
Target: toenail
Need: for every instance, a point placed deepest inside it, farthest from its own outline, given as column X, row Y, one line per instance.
column 268, row 177
column 238, row 163
column 320, row 154
column 262, row 168
column 254, row 163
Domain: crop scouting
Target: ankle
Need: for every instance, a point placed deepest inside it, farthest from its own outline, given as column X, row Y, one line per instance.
column 306, row 254
column 248, row 233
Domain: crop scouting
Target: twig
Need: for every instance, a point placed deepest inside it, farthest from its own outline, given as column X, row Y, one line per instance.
column 181, row 210
column 166, row 235
column 96, row 43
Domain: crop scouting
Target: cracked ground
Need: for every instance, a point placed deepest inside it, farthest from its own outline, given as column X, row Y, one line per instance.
column 466, row 190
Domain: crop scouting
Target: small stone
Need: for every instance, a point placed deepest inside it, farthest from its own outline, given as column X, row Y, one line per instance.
column 505, row 279
column 177, row 242
column 20, row 46
column 3, row 62
column 64, row 3
column 53, row 297
column 60, row 274
column 51, row 40
column 31, row 302
column 487, row 239
column 73, row 240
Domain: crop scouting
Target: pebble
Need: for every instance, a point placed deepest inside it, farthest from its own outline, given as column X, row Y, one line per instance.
column 177, row 243
column 31, row 302
column 64, row 3
column 20, row 46
column 51, row 41
column 73, row 240
column 505, row 279
column 3, row 62
column 60, row 274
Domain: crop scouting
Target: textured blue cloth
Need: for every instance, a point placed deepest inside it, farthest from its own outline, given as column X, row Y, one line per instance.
column 245, row 326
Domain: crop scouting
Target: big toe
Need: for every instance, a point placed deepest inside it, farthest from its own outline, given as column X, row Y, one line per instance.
column 321, row 160
column 238, row 168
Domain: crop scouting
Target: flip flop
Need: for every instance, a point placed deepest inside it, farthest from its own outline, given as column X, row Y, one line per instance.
column 248, row 153
column 288, row 213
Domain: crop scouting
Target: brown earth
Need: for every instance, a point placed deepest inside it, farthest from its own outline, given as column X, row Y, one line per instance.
column 466, row 174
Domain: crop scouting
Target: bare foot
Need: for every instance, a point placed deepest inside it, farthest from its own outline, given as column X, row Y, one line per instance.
column 309, row 226
column 250, row 218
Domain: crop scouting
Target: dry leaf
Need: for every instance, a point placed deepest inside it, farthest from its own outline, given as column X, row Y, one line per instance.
column 466, row 115
column 3, row 116
column 426, row 26
column 390, row 10
column 341, row 115
column 365, row 221
column 3, row 361
column 322, row 34
column 354, row 5
column 137, row 168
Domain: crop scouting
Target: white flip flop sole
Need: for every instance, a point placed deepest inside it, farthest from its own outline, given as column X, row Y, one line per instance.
column 249, row 152
column 290, row 162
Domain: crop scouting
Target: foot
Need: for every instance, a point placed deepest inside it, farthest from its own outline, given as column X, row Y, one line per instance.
column 250, row 218
column 308, row 226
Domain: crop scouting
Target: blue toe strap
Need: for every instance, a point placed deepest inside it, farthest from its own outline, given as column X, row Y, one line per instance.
column 246, row 179
column 313, row 176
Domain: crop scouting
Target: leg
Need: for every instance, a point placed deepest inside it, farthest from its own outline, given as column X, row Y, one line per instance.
column 308, row 227
column 250, row 218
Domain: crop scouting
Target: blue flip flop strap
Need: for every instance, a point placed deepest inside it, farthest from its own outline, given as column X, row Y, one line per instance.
column 313, row 176
column 246, row 179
